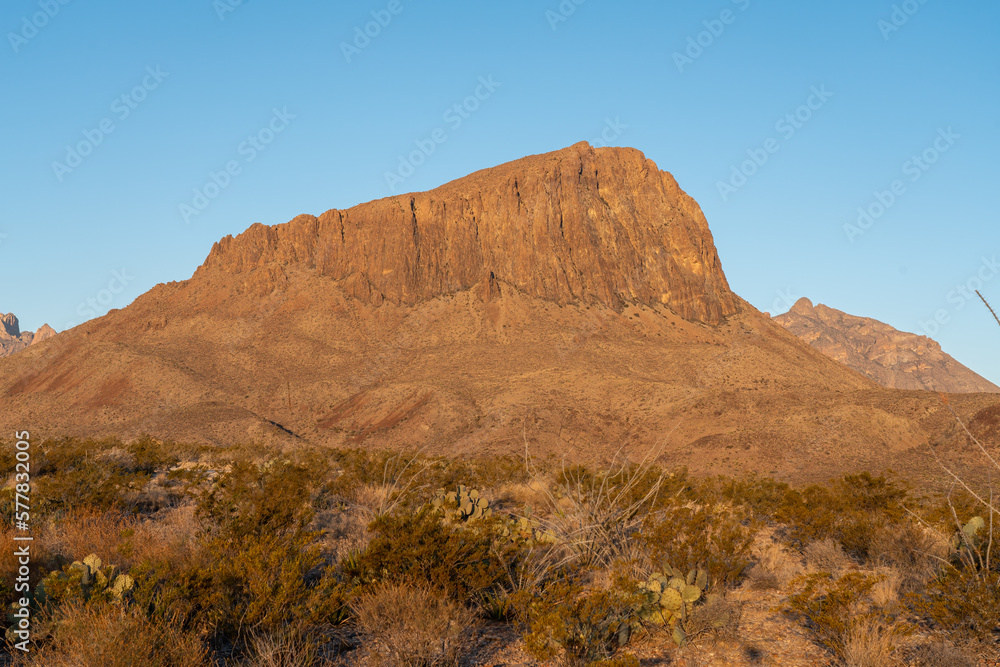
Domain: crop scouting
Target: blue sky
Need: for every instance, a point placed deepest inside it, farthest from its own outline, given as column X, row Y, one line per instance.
column 781, row 119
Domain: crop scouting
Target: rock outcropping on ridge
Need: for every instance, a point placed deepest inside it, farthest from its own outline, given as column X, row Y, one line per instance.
column 12, row 339
column 893, row 358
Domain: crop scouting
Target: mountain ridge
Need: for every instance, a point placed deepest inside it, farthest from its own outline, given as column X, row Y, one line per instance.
column 893, row 358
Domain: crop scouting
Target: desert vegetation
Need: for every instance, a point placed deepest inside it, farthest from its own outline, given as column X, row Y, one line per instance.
column 246, row 556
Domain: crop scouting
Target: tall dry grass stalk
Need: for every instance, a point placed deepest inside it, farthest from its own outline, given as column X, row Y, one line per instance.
column 597, row 515
column 377, row 500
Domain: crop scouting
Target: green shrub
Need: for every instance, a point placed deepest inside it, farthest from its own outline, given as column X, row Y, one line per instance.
column 962, row 602
column 259, row 584
column 717, row 539
column 762, row 495
column 589, row 626
column 466, row 561
column 831, row 608
column 68, row 473
column 257, row 568
column 253, row 500
column 851, row 510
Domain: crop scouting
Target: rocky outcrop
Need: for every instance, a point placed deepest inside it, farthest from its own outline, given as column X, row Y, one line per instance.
column 579, row 225
column 892, row 358
column 12, row 339
column 44, row 332
column 9, row 327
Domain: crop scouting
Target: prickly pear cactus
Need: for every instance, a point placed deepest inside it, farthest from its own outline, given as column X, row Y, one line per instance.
column 970, row 535
column 531, row 529
column 669, row 598
column 87, row 580
column 462, row 504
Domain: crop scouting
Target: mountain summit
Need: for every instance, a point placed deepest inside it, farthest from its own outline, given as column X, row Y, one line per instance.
column 581, row 225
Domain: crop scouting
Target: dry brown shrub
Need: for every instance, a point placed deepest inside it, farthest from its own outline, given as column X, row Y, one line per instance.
column 412, row 626
column 826, row 555
column 719, row 618
column 598, row 515
column 88, row 530
column 122, row 540
column 914, row 551
column 168, row 537
column 869, row 644
column 345, row 531
column 112, row 636
column 760, row 579
column 939, row 654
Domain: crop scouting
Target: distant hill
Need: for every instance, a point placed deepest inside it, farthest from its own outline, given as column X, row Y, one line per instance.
column 892, row 358
column 12, row 339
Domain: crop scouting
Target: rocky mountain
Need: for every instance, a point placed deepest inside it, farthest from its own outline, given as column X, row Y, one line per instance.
column 12, row 339
column 892, row 358
column 609, row 230
column 572, row 303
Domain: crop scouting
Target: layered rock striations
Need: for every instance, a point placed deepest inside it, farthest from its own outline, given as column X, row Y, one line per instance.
column 893, row 358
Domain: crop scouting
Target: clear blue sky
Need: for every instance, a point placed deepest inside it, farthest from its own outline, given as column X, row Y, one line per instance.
column 200, row 78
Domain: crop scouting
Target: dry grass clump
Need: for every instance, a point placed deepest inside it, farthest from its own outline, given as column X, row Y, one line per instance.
column 885, row 592
column 168, row 537
column 111, row 636
column 289, row 648
column 826, row 555
column 414, row 626
column 869, row 644
column 121, row 539
column 775, row 566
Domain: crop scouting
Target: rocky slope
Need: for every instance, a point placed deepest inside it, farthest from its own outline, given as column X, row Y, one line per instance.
column 12, row 339
column 572, row 303
column 892, row 358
